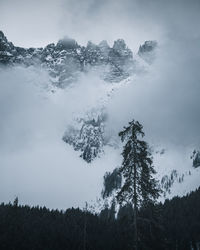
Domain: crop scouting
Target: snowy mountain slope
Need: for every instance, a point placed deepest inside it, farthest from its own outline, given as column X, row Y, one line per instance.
column 81, row 82
column 175, row 171
column 87, row 134
column 65, row 60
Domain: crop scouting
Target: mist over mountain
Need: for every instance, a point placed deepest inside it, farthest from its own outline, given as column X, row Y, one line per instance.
column 65, row 62
column 63, row 106
column 99, row 124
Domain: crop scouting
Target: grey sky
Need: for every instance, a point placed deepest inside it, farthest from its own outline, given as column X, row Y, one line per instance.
column 37, row 166
column 36, row 23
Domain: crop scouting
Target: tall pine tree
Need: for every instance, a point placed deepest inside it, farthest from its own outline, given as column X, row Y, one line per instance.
column 140, row 187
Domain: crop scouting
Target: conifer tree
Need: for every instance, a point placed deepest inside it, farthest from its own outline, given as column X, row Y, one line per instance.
column 139, row 187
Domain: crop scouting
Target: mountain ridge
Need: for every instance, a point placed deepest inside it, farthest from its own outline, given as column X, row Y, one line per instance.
column 64, row 62
column 66, row 59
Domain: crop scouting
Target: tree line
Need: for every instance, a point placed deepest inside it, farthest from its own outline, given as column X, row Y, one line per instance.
column 140, row 223
column 172, row 225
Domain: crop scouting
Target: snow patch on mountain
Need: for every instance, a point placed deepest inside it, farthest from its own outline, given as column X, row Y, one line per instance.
column 76, row 86
column 176, row 172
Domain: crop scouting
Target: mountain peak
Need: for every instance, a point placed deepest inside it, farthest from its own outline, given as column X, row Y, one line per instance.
column 67, row 43
column 104, row 44
column 119, row 44
column 91, row 45
column 148, row 46
column 147, row 51
column 2, row 36
column 65, row 60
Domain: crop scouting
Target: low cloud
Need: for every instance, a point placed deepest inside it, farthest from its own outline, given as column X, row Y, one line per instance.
column 166, row 100
column 35, row 163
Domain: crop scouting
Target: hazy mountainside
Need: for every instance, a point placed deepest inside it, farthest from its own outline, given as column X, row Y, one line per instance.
column 88, row 138
column 66, row 62
column 176, row 178
column 66, row 59
column 196, row 158
column 146, row 51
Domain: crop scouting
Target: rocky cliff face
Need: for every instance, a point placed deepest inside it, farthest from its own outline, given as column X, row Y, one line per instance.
column 88, row 138
column 196, row 158
column 64, row 62
column 147, row 51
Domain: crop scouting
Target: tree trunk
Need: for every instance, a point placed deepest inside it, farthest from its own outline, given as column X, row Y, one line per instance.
column 135, row 210
column 85, row 228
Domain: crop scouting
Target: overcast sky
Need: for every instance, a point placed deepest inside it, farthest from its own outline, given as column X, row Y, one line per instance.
column 37, row 23
column 36, row 164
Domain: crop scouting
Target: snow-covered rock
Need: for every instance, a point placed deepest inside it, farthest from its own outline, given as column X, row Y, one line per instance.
column 65, row 62
column 196, row 158
column 147, row 51
column 88, row 138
